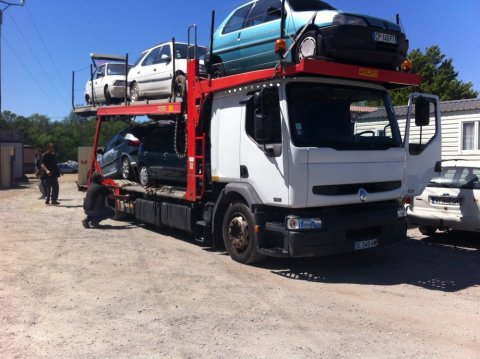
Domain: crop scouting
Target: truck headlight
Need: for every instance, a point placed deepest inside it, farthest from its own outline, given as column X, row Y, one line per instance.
column 297, row 223
column 343, row 19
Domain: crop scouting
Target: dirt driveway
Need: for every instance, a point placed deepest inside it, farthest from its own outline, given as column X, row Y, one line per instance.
column 128, row 291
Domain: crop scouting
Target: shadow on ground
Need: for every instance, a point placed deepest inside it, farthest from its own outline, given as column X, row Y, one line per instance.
column 444, row 263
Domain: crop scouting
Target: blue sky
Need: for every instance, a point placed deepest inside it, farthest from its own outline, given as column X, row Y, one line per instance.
column 43, row 42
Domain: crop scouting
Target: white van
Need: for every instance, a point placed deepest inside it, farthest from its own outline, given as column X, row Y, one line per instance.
column 151, row 75
column 450, row 201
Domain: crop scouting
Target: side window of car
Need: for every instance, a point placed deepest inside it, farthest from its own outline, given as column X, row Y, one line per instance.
column 271, row 109
column 100, row 72
column 110, row 143
column 164, row 52
column 264, row 11
column 237, row 20
column 151, row 57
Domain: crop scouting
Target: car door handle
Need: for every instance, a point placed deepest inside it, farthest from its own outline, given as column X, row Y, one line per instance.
column 239, row 35
column 155, row 70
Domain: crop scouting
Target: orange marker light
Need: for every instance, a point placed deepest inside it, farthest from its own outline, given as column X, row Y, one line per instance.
column 280, row 46
column 407, row 66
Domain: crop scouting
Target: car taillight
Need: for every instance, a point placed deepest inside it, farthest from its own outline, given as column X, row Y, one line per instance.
column 134, row 142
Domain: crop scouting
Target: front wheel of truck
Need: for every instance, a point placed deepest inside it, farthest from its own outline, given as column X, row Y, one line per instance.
column 239, row 234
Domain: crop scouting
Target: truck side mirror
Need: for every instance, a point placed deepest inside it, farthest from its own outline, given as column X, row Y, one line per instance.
column 262, row 126
column 422, row 111
column 262, row 119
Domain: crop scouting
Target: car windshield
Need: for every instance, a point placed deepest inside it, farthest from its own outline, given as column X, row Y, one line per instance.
column 457, row 177
column 309, row 5
column 341, row 117
column 181, row 51
column 116, row 69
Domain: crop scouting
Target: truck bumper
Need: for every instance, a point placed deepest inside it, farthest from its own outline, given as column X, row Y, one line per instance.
column 344, row 233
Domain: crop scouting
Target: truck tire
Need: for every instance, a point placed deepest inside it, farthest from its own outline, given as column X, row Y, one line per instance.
column 239, row 234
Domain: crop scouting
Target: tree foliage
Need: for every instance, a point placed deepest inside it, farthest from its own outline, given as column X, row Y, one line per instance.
column 438, row 77
column 67, row 135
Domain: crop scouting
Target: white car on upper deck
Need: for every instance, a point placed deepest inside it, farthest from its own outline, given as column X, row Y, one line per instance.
column 107, row 83
column 152, row 74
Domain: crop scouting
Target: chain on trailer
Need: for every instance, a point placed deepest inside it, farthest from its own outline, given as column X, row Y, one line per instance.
column 175, row 139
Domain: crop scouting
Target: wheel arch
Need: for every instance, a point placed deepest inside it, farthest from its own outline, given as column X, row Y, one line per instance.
column 233, row 192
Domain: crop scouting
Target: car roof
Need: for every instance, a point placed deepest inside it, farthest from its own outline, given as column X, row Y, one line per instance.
column 169, row 42
column 461, row 163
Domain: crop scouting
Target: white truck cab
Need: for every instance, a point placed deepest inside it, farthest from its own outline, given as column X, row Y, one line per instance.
column 319, row 175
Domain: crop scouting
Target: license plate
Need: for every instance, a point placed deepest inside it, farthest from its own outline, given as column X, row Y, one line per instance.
column 365, row 244
column 382, row 37
column 454, row 201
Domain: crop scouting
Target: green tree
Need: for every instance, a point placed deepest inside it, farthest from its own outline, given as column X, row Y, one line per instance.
column 438, row 77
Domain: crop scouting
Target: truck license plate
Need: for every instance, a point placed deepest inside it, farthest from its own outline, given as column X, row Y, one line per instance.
column 382, row 37
column 365, row 244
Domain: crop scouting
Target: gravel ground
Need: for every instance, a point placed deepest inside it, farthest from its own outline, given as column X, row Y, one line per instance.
column 129, row 291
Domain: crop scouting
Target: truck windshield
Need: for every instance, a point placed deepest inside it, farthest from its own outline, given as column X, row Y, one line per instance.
column 309, row 5
column 343, row 118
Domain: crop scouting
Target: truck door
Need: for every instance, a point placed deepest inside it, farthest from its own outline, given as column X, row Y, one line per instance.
column 422, row 141
column 263, row 161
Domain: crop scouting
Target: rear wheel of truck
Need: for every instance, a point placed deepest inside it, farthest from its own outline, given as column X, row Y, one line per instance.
column 239, row 234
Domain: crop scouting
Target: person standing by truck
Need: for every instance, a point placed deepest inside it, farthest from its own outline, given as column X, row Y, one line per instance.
column 38, row 172
column 50, row 172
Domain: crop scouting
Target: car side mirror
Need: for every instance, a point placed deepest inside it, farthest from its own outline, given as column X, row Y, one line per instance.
column 438, row 167
column 100, row 151
column 165, row 58
column 422, row 112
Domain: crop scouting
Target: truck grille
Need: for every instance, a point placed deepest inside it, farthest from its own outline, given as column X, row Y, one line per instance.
column 346, row 189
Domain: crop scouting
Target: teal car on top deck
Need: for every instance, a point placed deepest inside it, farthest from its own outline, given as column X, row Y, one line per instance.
column 245, row 40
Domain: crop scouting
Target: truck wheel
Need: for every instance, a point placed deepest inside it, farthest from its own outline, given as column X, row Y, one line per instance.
column 427, row 230
column 239, row 234
column 307, row 46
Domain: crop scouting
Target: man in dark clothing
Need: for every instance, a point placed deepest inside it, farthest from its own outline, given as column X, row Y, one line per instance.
column 51, row 172
column 94, row 203
column 38, row 173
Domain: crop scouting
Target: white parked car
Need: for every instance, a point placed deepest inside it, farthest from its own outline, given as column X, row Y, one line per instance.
column 151, row 75
column 108, row 84
column 450, row 201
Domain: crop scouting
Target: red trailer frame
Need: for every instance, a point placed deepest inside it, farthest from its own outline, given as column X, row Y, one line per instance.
column 199, row 88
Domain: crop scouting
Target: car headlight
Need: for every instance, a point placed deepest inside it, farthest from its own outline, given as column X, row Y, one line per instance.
column 119, row 83
column 343, row 19
column 297, row 223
